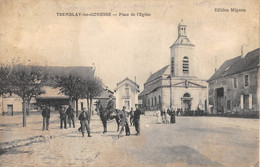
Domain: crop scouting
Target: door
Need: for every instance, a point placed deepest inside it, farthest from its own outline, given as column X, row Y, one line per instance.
column 220, row 100
column 10, row 109
column 187, row 105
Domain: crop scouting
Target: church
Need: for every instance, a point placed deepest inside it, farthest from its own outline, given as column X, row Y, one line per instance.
column 176, row 85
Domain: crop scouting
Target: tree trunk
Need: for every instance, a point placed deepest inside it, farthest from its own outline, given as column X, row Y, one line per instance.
column 24, row 113
column 87, row 103
column 90, row 106
column 77, row 110
column 28, row 109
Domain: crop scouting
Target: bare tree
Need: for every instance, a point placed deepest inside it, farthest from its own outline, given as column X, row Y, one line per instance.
column 26, row 82
column 71, row 86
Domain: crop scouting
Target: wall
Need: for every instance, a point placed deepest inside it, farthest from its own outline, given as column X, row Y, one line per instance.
column 234, row 94
column 180, row 51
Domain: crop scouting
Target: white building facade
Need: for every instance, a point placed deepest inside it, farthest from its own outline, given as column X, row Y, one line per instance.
column 126, row 94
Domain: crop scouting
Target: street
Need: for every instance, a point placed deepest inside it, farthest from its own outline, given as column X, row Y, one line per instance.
column 192, row 141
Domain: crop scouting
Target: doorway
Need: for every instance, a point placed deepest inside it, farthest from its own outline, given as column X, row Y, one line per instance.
column 10, row 109
column 220, row 100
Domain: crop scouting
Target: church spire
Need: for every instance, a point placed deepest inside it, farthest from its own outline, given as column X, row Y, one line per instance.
column 182, row 29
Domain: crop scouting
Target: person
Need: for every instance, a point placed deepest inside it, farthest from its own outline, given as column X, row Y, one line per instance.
column 63, row 117
column 131, row 116
column 136, row 120
column 167, row 116
column 110, row 106
column 159, row 119
column 123, row 122
column 70, row 112
column 173, row 116
column 46, row 117
column 84, row 117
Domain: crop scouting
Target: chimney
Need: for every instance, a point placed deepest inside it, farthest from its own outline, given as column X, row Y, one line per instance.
column 243, row 50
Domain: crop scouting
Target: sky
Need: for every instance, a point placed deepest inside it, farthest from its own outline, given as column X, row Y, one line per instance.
column 31, row 32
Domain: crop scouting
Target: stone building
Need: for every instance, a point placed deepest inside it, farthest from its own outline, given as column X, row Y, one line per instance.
column 126, row 94
column 176, row 85
column 234, row 87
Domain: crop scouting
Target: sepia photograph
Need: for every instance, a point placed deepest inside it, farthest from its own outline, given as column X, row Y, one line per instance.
column 129, row 83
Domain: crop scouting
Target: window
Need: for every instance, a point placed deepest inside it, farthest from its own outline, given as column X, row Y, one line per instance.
column 246, row 80
column 185, row 65
column 235, row 82
column 186, row 95
column 229, row 105
column 127, row 105
column 152, row 101
column 172, row 65
column 127, row 92
column 155, row 102
column 246, row 101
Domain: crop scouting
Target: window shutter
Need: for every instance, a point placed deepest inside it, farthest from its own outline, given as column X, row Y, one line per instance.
column 250, row 101
column 242, row 102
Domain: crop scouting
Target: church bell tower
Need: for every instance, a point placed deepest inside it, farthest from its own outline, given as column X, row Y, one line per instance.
column 182, row 54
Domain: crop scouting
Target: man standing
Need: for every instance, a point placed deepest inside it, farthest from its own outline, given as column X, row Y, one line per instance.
column 137, row 114
column 110, row 106
column 63, row 116
column 70, row 112
column 46, row 117
column 131, row 116
column 123, row 123
column 83, row 117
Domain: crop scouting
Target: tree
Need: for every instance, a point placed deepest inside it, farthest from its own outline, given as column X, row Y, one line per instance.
column 26, row 82
column 93, row 88
column 71, row 86
column 5, row 72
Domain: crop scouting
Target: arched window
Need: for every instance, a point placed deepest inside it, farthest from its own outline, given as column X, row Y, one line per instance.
column 185, row 65
column 155, row 102
column 152, row 101
column 186, row 95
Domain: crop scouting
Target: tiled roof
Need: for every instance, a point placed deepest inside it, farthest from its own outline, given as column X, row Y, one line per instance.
column 157, row 74
column 149, row 89
column 52, row 71
column 238, row 64
column 152, row 87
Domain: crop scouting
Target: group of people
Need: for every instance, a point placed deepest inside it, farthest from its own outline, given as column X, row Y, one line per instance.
column 166, row 116
column 128, row 119
column 67, row 114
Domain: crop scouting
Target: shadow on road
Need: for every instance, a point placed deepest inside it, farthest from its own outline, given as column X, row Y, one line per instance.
column 175, row 154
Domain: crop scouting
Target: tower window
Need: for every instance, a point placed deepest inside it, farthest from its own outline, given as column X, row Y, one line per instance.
column 246, row 80
column 185, row 65
column 172, row 65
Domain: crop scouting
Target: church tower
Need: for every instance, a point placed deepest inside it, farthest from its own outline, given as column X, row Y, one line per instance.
column 182, row 54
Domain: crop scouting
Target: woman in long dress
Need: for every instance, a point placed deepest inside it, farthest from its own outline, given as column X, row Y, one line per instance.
column 158, row 115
